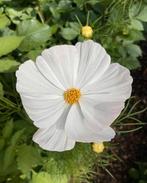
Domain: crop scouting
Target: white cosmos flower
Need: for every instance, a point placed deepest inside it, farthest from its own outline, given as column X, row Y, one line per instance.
column 73, row 94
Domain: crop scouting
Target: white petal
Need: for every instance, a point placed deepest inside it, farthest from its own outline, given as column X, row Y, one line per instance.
column 31, row 82
column 93, row 118
column 106, row 135
column 93, row 62
column 54, row 138
column 46, row 112
column 100, row 115
column 79, row 128
column 63, row 61
column 46, row 71
column 42, row 101
column 113, row 86
column 109, row 111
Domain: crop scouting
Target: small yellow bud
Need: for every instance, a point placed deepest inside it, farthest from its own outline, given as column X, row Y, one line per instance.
column 98, row 147
column 87, row 31
column 125, row 31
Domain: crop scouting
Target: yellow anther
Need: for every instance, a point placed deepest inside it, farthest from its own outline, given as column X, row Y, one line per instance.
column 72, row 95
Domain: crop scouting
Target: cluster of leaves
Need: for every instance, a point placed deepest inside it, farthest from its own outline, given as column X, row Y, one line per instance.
column 118, row 25
column 22, row 161
column 26, row 28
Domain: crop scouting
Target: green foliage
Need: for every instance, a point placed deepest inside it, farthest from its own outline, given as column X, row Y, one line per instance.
column 72, row 32
column 9, row 43
column 8, row 159
column 7, row 130
column 8, row 65
column 44, row 177
column 28, row 157
column 4, row 21
column 143, row 14
column 35, row 34
column 118, row 26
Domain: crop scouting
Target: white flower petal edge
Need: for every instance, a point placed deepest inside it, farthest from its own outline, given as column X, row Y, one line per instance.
column 113, row 86
column 94, row 61
column 86, row 66
column 79, row 128
column 55, row 137
column 42, row 100
column 63, row 61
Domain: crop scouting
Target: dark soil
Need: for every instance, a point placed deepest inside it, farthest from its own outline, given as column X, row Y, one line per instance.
column 131, row 147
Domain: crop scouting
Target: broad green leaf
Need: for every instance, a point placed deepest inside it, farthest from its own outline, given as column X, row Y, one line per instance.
column 8, row 65
column 15, row 138
column 76, row 26
column 28, row 157
column 143, row 14
column 44, row 177
column 8, row 129
column 69, row 33
column 9, row 43
column 8, row 157
column 137, row 25
column 4, row 21
column 130, row 63
column 133, row 10
column 35, row 34
column 135, row 35
column 134, row 50
column 1, row 90
column 17, row 15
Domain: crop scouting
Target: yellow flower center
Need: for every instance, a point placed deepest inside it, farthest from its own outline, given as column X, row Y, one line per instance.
column 98, row 147
column 87, row 31
column 72, row 95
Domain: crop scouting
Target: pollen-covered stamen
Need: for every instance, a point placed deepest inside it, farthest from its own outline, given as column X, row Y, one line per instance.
column 72, row 95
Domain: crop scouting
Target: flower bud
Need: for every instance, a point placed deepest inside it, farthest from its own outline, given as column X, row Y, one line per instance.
column 87, row 31
column 98, row 147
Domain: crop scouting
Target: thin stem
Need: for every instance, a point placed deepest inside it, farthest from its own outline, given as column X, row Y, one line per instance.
column 130, row 115
column 88, row 15
column 138, row 112
column 8, row 102
column 133, row 107
column 109, row 173
column 79, row 21
column 96, row 20
column 129, row 131
column 127, row 105
column 135, row 119
column 131, row 124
